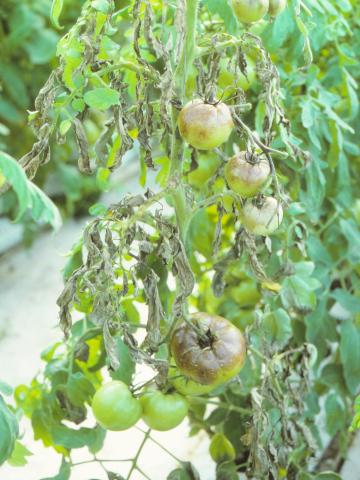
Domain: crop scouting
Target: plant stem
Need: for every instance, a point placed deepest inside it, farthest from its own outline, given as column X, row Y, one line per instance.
column 180, row 76
column 136, row 458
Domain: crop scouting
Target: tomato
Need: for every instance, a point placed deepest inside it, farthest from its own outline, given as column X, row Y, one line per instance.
column 249, row 11
column 276, row 7
column 246, row 174
column 228, row 79
column 207, row 165
column 114, row 407
column 163, row 411
column 186, row 386
column 204, row 125
column 262, row 218
column 212, row 359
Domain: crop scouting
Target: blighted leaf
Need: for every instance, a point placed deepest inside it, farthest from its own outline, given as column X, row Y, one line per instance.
column 277, row 325
column 127, row 366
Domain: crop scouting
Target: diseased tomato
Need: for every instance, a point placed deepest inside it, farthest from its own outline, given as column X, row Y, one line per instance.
column 263, row 216
column 246, row 173
column 185, row 385
column 204, row 125
column 213, row 358
column 249, row 11
column 163, row 411
column 227, row 79
column 114, row 407
column 276, row 7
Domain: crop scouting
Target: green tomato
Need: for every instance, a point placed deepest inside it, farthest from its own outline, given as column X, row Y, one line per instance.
column 115, row 408
column 246, row 176
column 207, row 165
column 212, row 358
column 205, row 126
column 228, row 79
column 163, row 411
column 186, row 386
column 264, row 218
column 276, row 7
column 249, row 11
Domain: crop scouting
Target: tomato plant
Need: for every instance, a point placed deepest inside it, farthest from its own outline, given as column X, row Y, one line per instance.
column 152, row 76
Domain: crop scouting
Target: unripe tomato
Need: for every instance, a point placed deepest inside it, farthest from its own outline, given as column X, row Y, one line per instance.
column 276, row 7
column 264, row 218
column 163, row 411
column 249, row 11
column 114, row 407
column 205, row 126
column 228, row 79
column 186, row 386
column 207, row 165
column 212, row 360
column 246, row 175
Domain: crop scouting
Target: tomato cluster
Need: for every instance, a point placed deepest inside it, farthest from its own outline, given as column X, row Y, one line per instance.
column 115, row 408
column 249, row 11
column 206, row 126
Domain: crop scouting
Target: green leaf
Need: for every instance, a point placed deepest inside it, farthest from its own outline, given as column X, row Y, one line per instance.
column 126, row 369
column 328, row 476
column 71, row 438
column 19, row 454
column 102, row 98
column 350, row 354
column 79, row 389
column 42, row 209
column 278, row 326
column 5, row 389
column 186, row 472
column 64, row 473
column 9, row 431
column 221, row 449
column 335, row 414
column 225, row 12
column 350, row 302
column 56, row 8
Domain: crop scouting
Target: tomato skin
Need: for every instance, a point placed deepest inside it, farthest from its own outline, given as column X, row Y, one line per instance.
column 114, row 407
column 245, row 178
column 162, row 411
column 186, row 386
column 205, row 126
column 276, row 7
column 262, row 220
column 212, row 362
column 249, row 11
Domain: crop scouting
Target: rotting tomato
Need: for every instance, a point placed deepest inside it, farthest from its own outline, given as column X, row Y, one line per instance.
column 246, row 173
column 114, row 406
column 163, row 411
column 276, row 7
column 213, row 357
column 249, row 11
column 262, row 216
column 205, row 125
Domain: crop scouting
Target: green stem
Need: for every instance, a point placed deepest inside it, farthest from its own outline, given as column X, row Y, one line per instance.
column 180, row 76
column 136, row 458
